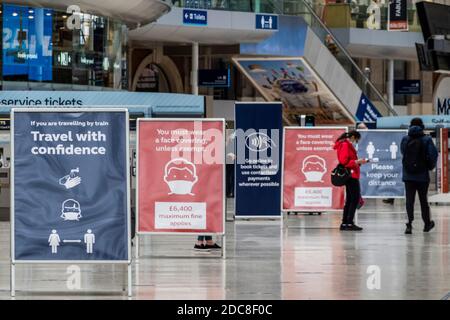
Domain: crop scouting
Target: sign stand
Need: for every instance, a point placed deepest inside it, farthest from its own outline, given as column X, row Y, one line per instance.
column 126, row 189
column 259, row 128
column 443, row 197
column 140, row 233
column 311, row 209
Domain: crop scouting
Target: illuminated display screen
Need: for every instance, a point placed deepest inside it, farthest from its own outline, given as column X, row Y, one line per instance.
column 27, row 42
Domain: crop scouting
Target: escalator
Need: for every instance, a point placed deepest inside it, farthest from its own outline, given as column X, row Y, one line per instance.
column 307, row 69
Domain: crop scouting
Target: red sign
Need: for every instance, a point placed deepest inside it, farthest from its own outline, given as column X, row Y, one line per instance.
column 444, row 160
column 308, row 160
column 180, row 176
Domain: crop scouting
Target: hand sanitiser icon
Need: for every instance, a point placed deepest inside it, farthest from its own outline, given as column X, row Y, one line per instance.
column 71, row 180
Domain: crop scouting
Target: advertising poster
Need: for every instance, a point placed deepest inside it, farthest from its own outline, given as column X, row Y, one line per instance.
column 398, row 15
column 382, row 176
column 71, row 185
column 297, row 86
column 27, row 42
column 180, row 173
column 258, row 159
column 308, row 159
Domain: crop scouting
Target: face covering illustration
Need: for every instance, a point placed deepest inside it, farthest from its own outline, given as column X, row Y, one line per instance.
column 71, row 210
column 180, row 176
column 314, row 168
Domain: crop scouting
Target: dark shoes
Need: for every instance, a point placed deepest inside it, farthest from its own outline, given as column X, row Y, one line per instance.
column 353, row 227
column 408, row 228
column 429, row 226
column 350, row 227
column 200, row 247
column 215, row 246
column 207, row 247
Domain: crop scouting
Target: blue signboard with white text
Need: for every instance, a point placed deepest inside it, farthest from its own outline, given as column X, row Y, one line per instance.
column 71, row 191
column 195, row 17
column 408, row 87
column 382, row 176
column 366, row 111
column 266, row 22
column 258, row 159
column 27, row 43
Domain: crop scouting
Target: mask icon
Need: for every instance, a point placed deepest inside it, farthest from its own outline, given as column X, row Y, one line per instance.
column 71, row 210
column 181, row 176
column 314, row 168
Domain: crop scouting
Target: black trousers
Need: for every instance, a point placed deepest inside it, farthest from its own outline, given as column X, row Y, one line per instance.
column 413, row 187
column 353, row 194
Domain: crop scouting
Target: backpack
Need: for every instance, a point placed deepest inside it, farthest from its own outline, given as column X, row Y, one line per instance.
column 415, row 159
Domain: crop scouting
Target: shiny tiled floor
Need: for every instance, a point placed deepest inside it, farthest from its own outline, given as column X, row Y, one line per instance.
column 305, row 257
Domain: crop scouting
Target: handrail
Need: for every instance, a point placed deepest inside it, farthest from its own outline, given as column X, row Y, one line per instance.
column 347, row 55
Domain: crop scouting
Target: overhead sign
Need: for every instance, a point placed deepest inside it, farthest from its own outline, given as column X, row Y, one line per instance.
column 382, row 176
column 408, row 87
column 266, row 22
column 398, row 15
column 180, row 176
column 71, row 186
column 366, row 111
column 308, row 160
column 146, row 102
column 430, row 121
column 258, row 159
column 214, row 78
column 195, row 17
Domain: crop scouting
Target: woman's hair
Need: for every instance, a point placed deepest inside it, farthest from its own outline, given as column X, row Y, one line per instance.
column 350, row 134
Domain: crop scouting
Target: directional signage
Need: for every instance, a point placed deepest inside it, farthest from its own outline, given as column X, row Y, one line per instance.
column 266, row 22
column 195, row 17
column 407, row 87
column 214, row 78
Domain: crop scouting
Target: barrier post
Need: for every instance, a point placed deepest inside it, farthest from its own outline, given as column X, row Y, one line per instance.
column 13, row 280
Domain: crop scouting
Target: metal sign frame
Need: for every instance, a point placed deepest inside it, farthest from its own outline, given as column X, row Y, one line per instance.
column 236, row 217
column 282, row 172
column 12, row 208
column 384, row 130
column 152, row 233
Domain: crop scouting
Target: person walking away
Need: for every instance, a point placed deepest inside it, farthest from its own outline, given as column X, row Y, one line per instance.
column 348, row 157
column 419, row 157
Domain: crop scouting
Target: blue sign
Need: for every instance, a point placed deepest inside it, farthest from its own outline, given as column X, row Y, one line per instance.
column 382, row 176
column 195, row 17
column 366, row 111
column 70, row 186
column 27, row 42
column 266, row 22
column 214, row 78
column 258, row 159
column 408, row 87
column 430, row 121
column 144, row 102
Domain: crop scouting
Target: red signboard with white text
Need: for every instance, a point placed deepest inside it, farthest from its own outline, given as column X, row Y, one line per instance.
column 444, row 161
column 308, row 159
column 180, row 176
